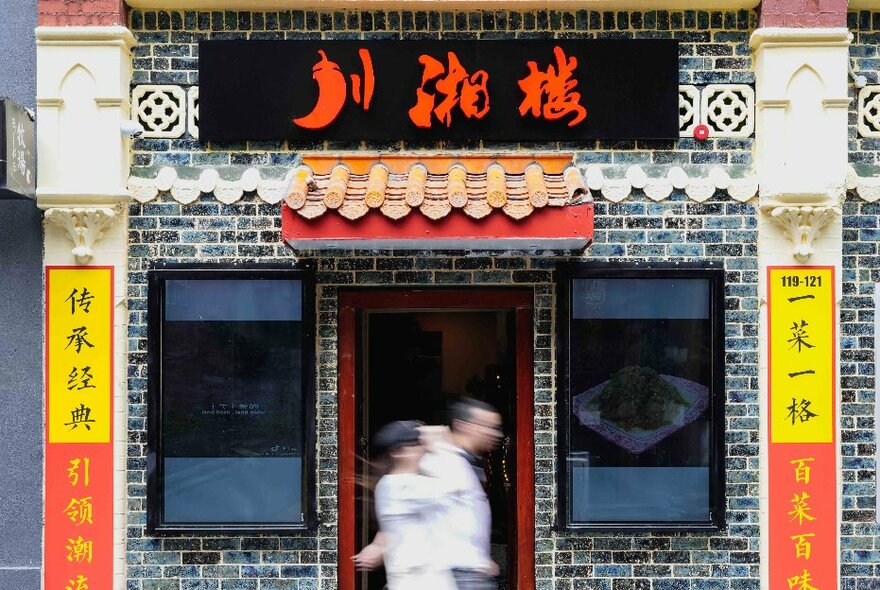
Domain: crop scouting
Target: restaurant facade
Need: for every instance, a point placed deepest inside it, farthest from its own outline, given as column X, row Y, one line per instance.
column 648, row 237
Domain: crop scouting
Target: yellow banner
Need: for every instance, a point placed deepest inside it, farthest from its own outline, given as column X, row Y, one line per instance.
column 801, row 317
column 79, row 353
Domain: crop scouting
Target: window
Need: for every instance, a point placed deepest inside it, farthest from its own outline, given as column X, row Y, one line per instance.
column 231, row 402
column 641, row 406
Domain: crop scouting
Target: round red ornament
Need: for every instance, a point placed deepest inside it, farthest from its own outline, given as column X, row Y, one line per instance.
column 701, row 132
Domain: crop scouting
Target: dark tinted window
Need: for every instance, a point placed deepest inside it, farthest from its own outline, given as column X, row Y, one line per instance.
column 230, row 400
column 642, row 399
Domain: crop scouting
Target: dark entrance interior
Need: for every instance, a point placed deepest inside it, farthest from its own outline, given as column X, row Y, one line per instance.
column 411, row 366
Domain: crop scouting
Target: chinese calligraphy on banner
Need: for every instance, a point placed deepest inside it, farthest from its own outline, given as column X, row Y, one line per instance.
column 79, row 428
column 802, row 451
column 514, row 90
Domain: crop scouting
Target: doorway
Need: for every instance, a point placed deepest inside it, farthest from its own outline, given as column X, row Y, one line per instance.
column 408, row 355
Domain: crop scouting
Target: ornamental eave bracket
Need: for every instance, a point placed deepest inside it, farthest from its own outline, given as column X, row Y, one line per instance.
column 802, row 225
column 83, row 226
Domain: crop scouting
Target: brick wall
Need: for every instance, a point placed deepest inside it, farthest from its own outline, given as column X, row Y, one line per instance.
column 859, row 531
column 864, row 59
column 803, row 13
column 636, row 230
column 65, row 13
column 860, row 535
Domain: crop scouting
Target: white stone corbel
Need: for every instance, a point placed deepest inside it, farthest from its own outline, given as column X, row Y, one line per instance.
column 84, row 227
column 142, row 190
column 869, row 189
column 185, row 191
column 802, row 225
column 616, row 189
column 658, row 189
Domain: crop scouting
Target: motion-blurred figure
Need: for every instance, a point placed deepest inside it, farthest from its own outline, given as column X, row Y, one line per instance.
column 464, row 529
column 445, row 489
column 406, row 503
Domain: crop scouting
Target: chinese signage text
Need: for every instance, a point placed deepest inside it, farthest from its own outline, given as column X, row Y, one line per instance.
column 17, row 162
column 433, row 90
column 79, row 446
column 802, row 449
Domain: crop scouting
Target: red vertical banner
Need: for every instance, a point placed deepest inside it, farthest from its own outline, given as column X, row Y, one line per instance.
column 802, row 376
column 78, row 544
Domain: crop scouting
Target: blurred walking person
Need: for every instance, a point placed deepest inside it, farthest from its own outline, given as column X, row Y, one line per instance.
column 457, row 517
column 406, row 504
column 464, row 528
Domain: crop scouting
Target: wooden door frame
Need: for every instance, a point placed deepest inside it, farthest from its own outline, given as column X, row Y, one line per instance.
column 351, row 301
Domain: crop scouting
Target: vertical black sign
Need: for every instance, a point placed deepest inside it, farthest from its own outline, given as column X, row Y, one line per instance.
column 18, row 174
column 433, row 90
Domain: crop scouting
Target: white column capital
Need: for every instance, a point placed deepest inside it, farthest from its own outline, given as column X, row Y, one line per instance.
column 802, row 225
column 83, row 227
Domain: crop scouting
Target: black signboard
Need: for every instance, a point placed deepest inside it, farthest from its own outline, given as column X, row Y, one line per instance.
column 424, row 91
column 18, row 174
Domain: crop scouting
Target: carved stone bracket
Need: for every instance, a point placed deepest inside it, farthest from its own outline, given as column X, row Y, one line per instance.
column 84, row 227
column 802, row 225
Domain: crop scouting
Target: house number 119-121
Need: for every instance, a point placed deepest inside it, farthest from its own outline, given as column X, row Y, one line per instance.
column 796, row 281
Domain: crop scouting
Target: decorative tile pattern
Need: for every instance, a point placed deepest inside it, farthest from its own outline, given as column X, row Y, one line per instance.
column 864, row 181
column 192, row 111
column 614, row 183
column 731, row 106
column 161, row 109
column 864, row 126
column 869, row 111
column 688, row 109
column 728, row 110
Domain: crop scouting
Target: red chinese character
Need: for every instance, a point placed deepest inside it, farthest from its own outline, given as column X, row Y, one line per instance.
column 469, row 91
column 550, row 94
column 333, row 91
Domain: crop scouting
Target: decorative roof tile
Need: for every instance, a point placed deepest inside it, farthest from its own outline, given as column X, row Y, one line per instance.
column 435, row 186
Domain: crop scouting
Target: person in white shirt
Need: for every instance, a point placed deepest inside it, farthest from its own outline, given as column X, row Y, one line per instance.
column 460, row 521
column 464, row 527
column 406, row 503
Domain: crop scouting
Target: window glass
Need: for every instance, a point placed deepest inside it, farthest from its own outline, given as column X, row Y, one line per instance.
column 640, row 426
column 232, row 433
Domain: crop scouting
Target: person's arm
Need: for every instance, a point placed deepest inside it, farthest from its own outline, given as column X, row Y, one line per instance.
column 370, row 557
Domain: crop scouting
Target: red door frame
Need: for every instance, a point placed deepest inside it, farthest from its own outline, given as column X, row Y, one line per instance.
column 521, row 301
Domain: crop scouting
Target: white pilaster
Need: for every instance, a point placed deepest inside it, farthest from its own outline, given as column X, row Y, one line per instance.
column 801, row 160
column 802, row 106
column 83, row 78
